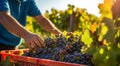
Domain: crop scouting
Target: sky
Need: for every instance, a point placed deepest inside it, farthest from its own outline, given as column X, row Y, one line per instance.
column 90, row 5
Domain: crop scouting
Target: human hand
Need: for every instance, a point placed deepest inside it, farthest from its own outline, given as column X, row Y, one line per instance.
column 33, row 41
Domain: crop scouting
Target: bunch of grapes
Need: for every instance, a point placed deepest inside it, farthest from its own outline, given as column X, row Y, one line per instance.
column 62, row 49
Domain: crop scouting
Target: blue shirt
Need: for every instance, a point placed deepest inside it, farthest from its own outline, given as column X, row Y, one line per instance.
column 19, row 9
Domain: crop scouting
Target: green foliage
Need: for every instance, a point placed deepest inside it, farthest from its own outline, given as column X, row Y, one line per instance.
column 7, row 62
column 106, row 48
column 80, row 18
column 86, row 38
column 105, row 8
column 111, row 30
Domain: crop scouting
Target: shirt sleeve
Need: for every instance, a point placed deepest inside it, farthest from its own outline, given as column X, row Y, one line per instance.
column 33, row 9
column 3, row 5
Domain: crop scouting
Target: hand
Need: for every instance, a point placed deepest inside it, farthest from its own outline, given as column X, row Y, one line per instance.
column 34, row 41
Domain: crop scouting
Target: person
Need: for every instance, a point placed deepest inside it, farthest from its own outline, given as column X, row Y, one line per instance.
column 115, row 9
column 13, row 20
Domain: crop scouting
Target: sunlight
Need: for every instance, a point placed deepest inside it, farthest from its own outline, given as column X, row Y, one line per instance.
column 90, row 5
column 101, row 51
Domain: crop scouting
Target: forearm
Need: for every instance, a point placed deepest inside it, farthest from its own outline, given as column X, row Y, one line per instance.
column 12, row 25
column 115, row 9
column 47, row 24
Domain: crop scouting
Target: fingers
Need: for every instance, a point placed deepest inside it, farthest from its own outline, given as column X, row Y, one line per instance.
column 41, row 42
column 38, row 42
column 34, row 42
column 29, row 46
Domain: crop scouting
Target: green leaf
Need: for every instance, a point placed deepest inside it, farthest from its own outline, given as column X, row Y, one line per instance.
column 102, row 31
column 110, row 35
column 92, row 49
column 86, row 38
column 99, row 56
column 111, row 57
column 105, row 8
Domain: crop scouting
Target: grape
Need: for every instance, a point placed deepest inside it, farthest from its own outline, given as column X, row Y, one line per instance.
column 62, row 49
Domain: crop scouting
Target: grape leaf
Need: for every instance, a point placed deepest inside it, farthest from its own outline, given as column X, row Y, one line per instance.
column 86, row 38
column 112, row 56
column 105, row 8
column 117, row 23
column 99, row 56
column 109, row 23
column 92, row 49
column 109, row 36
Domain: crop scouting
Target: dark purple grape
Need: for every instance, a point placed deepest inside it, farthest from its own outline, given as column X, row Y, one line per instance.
column 62, row 49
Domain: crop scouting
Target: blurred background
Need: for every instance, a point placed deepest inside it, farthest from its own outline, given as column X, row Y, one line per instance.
column 75, row 16
column 91, row 5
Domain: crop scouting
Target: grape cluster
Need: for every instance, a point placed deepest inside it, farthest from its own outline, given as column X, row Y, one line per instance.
column 62, row 49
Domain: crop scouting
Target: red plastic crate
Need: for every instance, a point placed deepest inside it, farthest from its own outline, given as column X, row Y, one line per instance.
column 29, row 61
